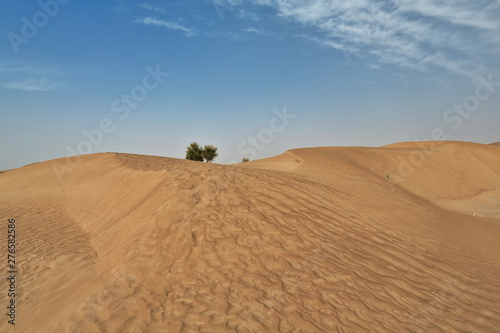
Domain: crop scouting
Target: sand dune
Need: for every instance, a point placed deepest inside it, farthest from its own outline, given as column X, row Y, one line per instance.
column 315, row 240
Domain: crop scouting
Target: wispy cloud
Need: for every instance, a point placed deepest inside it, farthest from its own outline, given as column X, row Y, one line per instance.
column 166, row 24
column 155, row 9
column 248, row 15
column 31, row 70
column 460, row 36
column 242, row 12
column 255, row 31
column 32, row 84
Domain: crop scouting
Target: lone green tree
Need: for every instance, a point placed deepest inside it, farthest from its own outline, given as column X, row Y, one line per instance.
column 209, row 153
column 194, row 152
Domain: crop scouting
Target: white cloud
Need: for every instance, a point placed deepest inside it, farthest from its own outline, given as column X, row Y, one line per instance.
column 459, row 36
column 255, row 31
column 476, row 14
column 31, row 70
column 155, row 9
column 248, row 15
column 32, row 84
column 166, row 24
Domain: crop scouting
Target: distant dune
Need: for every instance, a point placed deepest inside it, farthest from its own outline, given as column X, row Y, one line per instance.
column 402, row 238
column 496, row 143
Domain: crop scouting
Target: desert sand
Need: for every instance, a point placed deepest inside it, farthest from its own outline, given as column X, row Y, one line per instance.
column 333, row 239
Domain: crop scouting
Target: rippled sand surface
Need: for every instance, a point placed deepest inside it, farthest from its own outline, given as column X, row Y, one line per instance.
column 339, row 239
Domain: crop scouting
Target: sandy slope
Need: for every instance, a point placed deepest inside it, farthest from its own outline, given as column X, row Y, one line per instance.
column 314, row 240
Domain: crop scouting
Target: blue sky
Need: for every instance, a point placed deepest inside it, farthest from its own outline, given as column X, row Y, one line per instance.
column 254, row 78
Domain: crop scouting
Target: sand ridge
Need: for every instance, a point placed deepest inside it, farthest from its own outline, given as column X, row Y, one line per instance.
column 314, row 240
